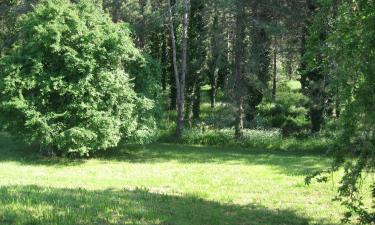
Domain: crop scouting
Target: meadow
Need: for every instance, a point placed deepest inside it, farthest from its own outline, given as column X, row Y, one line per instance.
column 165, row 184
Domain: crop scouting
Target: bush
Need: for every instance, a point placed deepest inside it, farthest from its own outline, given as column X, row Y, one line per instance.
column 63, row 82
column 222, row 116
column 288, row 112
column 261, row 140
column 146, row 73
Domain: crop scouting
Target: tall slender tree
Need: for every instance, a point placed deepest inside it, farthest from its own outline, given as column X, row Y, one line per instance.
column 197, row 58
column 314, row 79
column 239, row 79
column 180, row 77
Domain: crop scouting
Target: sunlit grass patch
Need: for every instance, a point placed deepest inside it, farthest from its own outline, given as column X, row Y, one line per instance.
column 165, row 184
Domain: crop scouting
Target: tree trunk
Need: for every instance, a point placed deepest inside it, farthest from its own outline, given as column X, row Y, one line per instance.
column 181, row 95
column 239, row 120
column 116, row 11
column 274, row 80
column 174, row 55
column 197, row 102
column 316, row 114
column 213, row 82
column 189, row 95
column 213, row 95
column 173, row 92
column 180, row 81
column 238, row 56
column 303, row 64
column 164, row 62
column 216, row 44
column 171, row 76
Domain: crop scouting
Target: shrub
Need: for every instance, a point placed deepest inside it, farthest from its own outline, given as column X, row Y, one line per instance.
column 287, row 112
column 225, row 137
column 261, row 140
column 220, row 117
column 146, row 73
column 63, row 82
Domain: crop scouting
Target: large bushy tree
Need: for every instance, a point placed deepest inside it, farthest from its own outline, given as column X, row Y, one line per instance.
column 352, row 62
column 63, row 82
column 349, row 60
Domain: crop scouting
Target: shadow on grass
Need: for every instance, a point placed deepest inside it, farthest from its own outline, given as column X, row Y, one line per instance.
column 17, row 151
column 287, row 162
column 35, row 205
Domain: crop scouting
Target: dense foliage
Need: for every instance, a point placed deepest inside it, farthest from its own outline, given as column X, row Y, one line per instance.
column 358, row 84
column 63, row 83
column 348, row 58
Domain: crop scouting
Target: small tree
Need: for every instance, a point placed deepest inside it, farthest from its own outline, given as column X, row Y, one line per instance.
column 63, row 84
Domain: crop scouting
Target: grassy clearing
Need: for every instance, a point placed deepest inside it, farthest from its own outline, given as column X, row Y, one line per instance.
column 164, row 184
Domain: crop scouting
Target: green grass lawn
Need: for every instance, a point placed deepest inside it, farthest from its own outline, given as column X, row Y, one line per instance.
column 164, row 184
